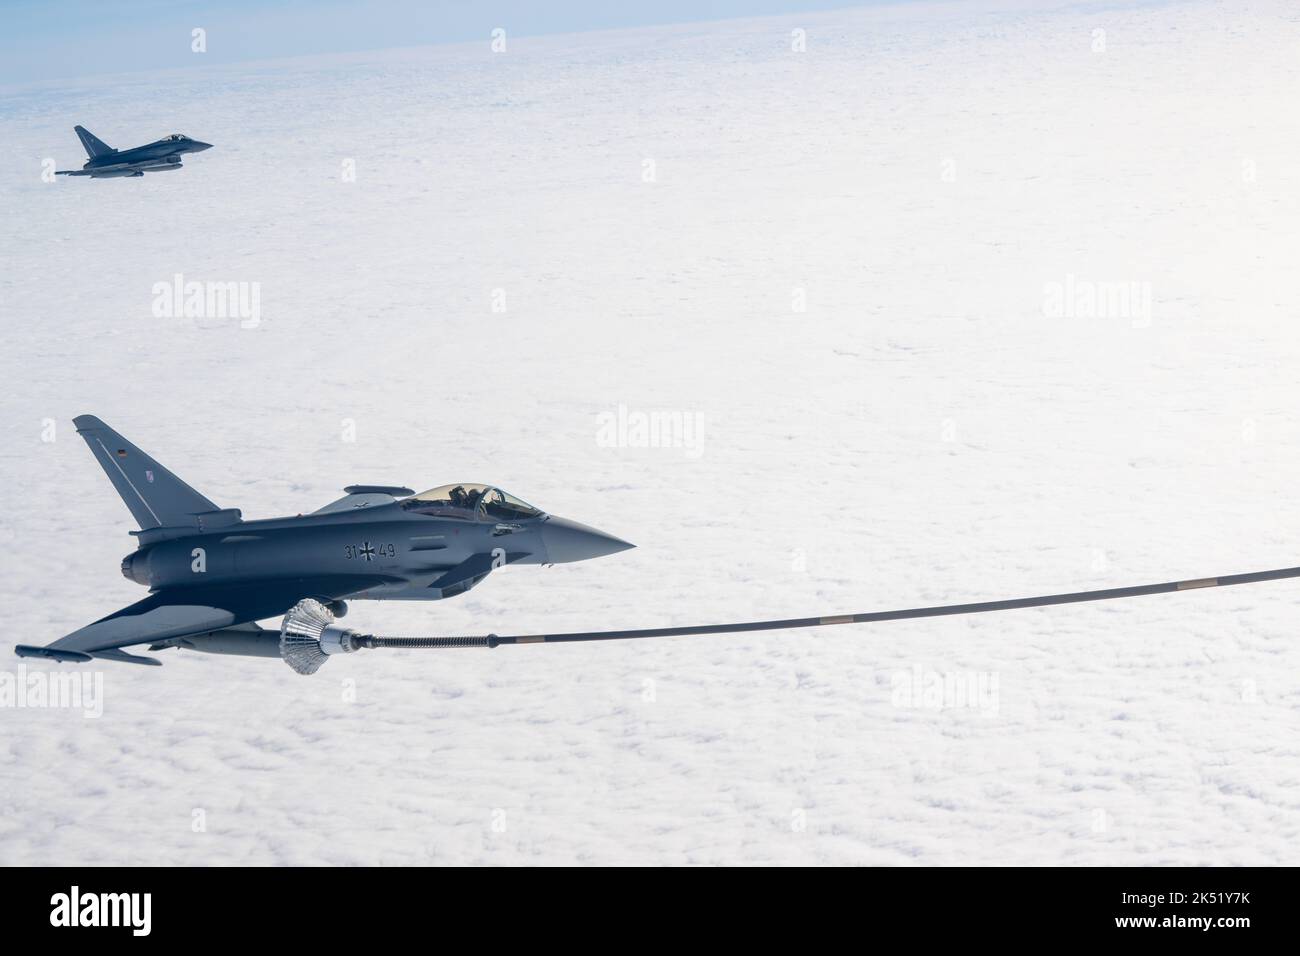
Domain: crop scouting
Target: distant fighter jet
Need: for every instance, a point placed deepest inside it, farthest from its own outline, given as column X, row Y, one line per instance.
column 106, row 162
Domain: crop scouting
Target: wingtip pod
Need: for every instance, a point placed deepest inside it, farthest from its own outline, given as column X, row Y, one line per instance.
column 84, row 657
column 52, row 654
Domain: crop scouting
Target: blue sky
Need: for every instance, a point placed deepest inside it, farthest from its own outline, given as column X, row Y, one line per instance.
column 49, row 39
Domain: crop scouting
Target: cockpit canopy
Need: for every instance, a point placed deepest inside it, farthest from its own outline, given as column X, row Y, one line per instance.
column 176, row 137
column 470, row 502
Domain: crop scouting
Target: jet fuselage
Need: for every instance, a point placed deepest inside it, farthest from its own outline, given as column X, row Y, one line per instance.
column 411, row 551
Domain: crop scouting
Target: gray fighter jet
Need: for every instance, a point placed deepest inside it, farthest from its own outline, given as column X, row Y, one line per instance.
column 108, row 163
column 211, row 574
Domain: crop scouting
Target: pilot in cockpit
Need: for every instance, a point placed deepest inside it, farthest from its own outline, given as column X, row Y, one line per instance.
column 470, row 502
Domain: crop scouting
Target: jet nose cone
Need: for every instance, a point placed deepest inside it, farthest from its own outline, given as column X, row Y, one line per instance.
column 567, row 541
column 199, row 146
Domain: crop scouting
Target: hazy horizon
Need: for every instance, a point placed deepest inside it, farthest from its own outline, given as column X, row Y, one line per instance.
column 44, row 42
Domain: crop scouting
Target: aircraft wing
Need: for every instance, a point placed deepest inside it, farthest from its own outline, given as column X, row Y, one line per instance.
column 179, row 612
column 106, row 168
column 122, row 169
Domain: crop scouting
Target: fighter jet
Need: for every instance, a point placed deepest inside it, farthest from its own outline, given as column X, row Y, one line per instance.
column 108, row 163
column 211, row 574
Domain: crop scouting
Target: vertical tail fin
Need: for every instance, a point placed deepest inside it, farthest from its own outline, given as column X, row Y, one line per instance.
column 94, row 145
column 156, row 497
